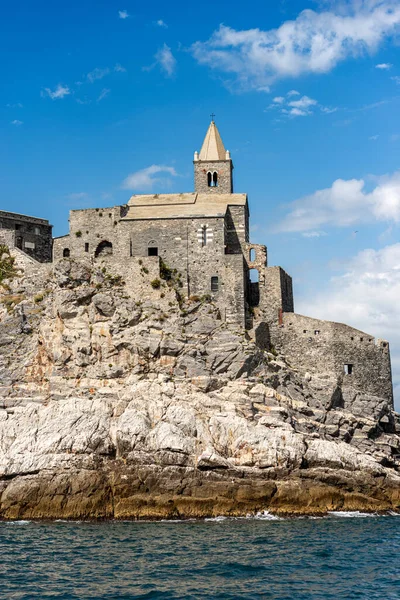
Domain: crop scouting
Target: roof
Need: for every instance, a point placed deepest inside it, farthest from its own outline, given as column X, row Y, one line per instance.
column 175, row 206
column 213, row 147
column 12, row 215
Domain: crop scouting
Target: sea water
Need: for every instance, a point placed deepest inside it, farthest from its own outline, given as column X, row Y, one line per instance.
column 344, row 555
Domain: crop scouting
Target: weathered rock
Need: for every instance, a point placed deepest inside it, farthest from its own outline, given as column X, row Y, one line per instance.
column 119, row 407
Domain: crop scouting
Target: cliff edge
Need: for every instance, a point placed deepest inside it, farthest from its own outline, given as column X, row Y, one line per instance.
column 116, row 404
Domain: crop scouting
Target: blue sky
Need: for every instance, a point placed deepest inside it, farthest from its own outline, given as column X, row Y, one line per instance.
column 100, row 100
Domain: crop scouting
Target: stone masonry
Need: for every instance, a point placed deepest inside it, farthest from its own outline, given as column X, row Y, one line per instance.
column 29, row 234
column 204, row 237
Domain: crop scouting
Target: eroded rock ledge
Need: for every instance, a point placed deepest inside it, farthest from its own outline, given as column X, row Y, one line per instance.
column 147, row 407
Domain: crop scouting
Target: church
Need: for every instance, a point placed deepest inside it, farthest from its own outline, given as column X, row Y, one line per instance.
column 204, row 236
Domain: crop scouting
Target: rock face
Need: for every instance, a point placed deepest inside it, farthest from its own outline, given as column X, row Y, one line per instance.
column 147, row 407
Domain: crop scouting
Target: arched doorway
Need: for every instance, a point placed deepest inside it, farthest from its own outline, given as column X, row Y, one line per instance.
column 105, row 248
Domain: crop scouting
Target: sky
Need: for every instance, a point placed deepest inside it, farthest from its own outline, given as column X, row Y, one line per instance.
column 103, row 99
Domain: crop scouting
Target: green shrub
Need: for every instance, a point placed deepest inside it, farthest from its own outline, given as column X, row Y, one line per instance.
column 155, row 284
column 7, row 267
column 78, row 234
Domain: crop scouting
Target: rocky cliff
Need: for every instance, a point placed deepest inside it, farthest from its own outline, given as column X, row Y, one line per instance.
column 132, row 403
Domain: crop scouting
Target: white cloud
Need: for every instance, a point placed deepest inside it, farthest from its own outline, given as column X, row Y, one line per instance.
column 97, row 74
column 77, row 196
column 103, row 94
column 302, row 107
column 60, row 92
column 119, row 68
column 17, row 123
column 396, row 79
column 315, row 42
column 148, row 178
column 373, row 137
column 313, row 234
column 365, row 296
column 161, row 23
column 346, row 203
column 16, row 105
column 123, row 14
column 166, row 60
column 384, row 66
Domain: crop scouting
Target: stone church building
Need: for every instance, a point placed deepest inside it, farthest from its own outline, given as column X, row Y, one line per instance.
column 204, row 235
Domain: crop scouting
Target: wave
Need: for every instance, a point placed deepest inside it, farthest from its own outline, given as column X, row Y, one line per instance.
column 351, row 514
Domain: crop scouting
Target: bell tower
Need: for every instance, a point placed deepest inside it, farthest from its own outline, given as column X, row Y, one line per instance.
column 213, row 166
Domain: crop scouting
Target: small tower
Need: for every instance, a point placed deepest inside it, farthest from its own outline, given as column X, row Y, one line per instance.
column 213, row 166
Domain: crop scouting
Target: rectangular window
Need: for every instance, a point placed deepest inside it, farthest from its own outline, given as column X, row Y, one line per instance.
column 17, row 226
column 348, row 369
column 152, row 251
column 214, row 284
column 317, row 332
column 30, row 245
column 37, row 231
column 86, row 247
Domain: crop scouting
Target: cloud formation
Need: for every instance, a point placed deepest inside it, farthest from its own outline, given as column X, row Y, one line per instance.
column 166, row 60
column 60, row 92
column 97, row 74
column 346, row 203
column 123, row 14
column 103, row 94
column 161, row 23
column 148, row 178
column 384, row 66
column 301, row 107
column 366, row 296
column 17, row 123
column 315, row 42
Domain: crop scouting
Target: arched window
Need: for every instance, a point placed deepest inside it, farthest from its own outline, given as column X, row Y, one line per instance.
column 66, row 253
column 212, row 179
column 252, row 255
column 105, row 248
column 214, row 284
column 152, row 248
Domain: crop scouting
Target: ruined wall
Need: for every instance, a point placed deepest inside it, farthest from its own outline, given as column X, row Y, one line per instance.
column 30, row 234
column 90, row 227
column 323, row 347
column 276, row 294
column 60, row 244
column 224, row 169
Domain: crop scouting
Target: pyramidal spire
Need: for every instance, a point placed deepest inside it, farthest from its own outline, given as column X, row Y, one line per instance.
column 213, row 147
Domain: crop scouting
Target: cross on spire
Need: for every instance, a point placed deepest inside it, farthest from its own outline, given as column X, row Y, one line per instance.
column 212, row 116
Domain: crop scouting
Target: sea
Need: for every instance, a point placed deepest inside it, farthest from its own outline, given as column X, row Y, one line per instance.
column 340, row 556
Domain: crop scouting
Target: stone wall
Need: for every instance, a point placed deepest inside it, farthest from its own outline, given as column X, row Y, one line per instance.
column 327, row 348
column 89, row 228
column 224, row 169
column 276, row 294
column 60, row 244
column 194, row 247
column 30, row 234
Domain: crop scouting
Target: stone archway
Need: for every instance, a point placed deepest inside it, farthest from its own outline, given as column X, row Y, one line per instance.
column 105, row 248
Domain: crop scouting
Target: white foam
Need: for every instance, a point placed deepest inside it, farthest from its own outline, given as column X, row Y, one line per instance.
column 22, row 522
column 216, row 519
column 351, row 514
column 265, row 516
